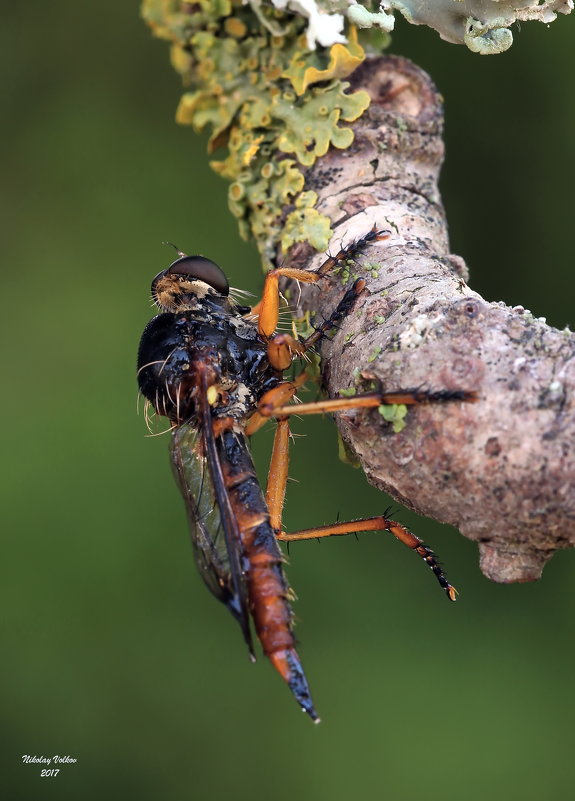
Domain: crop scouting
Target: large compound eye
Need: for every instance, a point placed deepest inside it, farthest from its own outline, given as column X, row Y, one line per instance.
column 201, row 269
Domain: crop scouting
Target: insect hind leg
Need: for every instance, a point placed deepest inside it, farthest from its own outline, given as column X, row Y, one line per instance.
column 380, row 523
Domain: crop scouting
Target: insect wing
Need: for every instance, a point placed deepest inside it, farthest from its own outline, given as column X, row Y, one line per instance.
column 203, row 513
column 215, row 540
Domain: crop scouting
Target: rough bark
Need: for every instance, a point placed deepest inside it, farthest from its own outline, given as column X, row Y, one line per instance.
column 500, row 470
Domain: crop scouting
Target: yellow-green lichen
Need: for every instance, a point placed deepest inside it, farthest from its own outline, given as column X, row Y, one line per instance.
column 275, row 105
column 305, row 67
column 394, row 414
column 345, row 453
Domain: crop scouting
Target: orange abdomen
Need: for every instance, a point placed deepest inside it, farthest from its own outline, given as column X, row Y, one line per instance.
column 262, row 563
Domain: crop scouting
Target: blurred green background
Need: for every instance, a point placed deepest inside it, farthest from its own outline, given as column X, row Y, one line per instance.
column 114, row 653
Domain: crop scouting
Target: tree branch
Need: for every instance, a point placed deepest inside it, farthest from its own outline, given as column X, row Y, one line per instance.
column 502, row 469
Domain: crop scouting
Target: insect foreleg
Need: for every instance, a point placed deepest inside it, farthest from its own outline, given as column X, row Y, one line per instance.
column 381, row 523
column 268, row 308
column 282, row 347
column 341, row 310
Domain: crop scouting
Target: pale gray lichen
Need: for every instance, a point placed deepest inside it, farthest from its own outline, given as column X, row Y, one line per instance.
column 415, row 333
column 363, row 18
column 482, row 25
column 325, row 23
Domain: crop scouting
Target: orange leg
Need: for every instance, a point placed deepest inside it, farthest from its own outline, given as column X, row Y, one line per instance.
column 281, row 351
column 268, row 408
column 278, row 475
column 341, row 310
column 276, row 397
column 270, row 302
column 272, row 404
column 353, row 249
column 282, row 348
column 381, row 523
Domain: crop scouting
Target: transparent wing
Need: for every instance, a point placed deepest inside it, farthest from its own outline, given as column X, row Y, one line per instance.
column 215, row 540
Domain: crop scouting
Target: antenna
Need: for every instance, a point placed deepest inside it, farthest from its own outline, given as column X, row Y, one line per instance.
column 178, row 251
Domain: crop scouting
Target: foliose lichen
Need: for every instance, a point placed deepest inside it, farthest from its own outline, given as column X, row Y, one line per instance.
column 394, row 414
column 254, row 81
column 482, row 25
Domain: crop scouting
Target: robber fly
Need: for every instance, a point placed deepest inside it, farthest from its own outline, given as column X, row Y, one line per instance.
column 214, row 369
